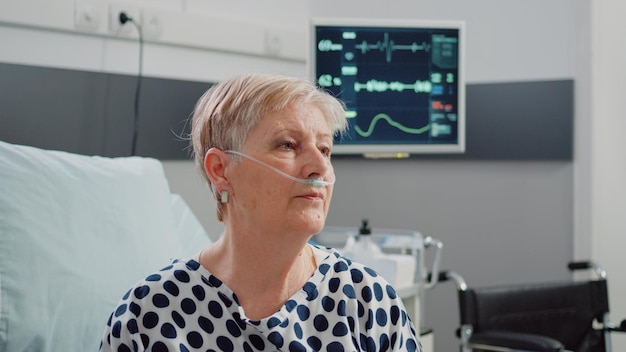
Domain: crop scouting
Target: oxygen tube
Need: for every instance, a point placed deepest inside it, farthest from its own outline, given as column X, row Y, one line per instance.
column 307, row 181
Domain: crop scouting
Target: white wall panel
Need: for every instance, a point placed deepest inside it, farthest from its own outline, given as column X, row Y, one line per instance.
column 506, row 39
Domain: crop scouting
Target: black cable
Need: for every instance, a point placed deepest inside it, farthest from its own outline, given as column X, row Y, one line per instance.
column 123, row 19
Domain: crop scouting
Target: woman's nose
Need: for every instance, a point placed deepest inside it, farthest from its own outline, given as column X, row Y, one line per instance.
column 316, row 164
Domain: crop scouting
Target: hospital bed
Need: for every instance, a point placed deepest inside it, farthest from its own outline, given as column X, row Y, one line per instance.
column 75, row 233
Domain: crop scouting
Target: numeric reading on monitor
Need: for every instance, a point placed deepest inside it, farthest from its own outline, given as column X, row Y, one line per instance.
column 402, row 85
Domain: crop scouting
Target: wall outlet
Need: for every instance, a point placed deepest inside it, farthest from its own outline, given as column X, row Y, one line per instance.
column 151, row 23
column 87, row 16
column 273, row 42
column 115, row 26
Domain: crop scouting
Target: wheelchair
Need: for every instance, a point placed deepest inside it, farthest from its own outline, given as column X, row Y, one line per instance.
column 540, row 317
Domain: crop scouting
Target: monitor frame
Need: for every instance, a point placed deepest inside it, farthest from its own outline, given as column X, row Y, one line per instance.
column 400, row 150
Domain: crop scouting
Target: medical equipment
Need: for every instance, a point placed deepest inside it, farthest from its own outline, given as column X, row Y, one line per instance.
column 315, row 182
column 398, row 248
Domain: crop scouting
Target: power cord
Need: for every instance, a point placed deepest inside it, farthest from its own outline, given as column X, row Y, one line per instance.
column 123, row 18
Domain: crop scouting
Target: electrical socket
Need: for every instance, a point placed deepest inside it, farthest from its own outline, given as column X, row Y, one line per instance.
column 273, row 42
column 115, row 26
column 151, row 23
column 87, row 15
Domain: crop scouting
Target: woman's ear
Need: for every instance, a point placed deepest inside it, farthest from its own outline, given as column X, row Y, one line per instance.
column 215, row 162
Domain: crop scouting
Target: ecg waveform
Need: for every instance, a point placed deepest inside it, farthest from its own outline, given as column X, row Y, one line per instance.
column 390, row 121
column 388, row 46
column 382, row 86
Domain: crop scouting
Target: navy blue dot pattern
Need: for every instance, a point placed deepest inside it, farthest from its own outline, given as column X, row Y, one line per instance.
column 183, row 307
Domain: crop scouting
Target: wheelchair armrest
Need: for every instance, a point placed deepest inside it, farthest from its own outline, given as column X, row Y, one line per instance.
column 587, row 265
column 515, row 341
column 620, row 328
column 449, row 275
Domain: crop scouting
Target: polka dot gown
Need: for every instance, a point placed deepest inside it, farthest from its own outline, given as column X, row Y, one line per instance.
column 343, row 307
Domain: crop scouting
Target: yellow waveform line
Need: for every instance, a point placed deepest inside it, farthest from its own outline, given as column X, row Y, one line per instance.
column 393, row 123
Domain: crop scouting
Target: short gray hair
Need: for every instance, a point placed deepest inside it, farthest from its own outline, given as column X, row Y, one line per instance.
column 229, row 110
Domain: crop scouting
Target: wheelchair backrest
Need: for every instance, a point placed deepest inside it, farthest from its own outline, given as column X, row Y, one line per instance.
column 562, row 310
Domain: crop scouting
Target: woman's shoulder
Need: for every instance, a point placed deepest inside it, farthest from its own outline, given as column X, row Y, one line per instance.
column 179, row 276
column 178, row 269
column 339, row 279
column 335, row 264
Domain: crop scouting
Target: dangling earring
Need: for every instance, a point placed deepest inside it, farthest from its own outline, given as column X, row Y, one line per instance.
column 224, row 196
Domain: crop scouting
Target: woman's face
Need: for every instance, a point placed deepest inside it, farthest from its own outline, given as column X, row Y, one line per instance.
column 297, row 141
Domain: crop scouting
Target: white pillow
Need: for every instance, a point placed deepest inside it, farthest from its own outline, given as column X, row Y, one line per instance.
column 191, row 234
column 75, row 233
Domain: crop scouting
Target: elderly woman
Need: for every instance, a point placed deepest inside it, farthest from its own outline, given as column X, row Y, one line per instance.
column 263, row 143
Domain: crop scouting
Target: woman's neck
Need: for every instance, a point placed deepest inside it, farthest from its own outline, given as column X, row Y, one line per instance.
column 263, row 277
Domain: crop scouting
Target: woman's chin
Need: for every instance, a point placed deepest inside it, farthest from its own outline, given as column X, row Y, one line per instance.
column 310, row 223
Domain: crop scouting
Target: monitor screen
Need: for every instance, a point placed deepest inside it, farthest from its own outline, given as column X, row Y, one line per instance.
column 402, row 82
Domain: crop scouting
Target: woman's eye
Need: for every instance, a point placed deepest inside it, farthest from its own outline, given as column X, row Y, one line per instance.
column 288, row 145
column 325, row 151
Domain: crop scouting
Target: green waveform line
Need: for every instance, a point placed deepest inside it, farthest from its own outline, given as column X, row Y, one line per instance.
column 393, row 123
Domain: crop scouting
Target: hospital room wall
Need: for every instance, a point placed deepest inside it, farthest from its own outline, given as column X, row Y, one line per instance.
column 607, row 149
column 500, row 220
